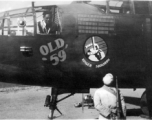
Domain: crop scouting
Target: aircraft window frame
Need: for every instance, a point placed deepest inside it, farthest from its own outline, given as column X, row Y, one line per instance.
column 5, row 30
column 7, row 16
column 7, row 23
column 1, row 26
column 18, row 11
column 27, row 30
column 100, row 4
column 119, row 7
column 54, row 11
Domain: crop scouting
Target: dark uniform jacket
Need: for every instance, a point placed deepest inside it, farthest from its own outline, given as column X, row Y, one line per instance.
column 49, row 29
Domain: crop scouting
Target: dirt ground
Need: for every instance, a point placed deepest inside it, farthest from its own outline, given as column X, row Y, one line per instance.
column 28, row 103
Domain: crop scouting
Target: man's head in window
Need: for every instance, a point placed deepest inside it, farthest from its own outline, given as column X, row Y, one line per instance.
column 47, row 26
column 47, row 17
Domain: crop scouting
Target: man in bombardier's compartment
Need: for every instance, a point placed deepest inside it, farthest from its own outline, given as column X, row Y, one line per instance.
column 46, row 25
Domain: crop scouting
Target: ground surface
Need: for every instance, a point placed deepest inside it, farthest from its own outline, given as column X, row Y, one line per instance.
column 28, row 103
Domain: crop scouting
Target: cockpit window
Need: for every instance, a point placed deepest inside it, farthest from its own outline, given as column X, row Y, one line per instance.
column 47, row 20
column 23, row 22
column 100, row 4
column 119, row 7
column 18, row 23
column 115, row 6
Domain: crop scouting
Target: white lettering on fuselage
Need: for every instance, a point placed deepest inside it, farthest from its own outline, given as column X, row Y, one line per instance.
column 103, row 64
column 60, row 56
column 86, row 63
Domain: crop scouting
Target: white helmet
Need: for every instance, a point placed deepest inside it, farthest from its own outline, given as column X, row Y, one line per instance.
column 108, row 79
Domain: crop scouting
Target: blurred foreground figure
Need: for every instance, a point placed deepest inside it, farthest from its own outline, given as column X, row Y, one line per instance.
column 105, row 100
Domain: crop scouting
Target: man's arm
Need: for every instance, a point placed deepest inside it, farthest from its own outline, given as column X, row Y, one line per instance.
column 103, row 110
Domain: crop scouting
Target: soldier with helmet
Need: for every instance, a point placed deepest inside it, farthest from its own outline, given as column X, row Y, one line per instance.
column 105, row 100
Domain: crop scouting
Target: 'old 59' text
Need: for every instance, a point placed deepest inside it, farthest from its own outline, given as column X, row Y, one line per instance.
column 58, row 56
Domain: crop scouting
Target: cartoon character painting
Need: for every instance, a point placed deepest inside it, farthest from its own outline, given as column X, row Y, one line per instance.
column 95, row 49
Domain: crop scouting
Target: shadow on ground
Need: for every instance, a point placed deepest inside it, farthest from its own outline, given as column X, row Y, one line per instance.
column 133, row 101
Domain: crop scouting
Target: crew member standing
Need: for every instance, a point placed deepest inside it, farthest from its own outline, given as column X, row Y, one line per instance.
column 105, row 99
